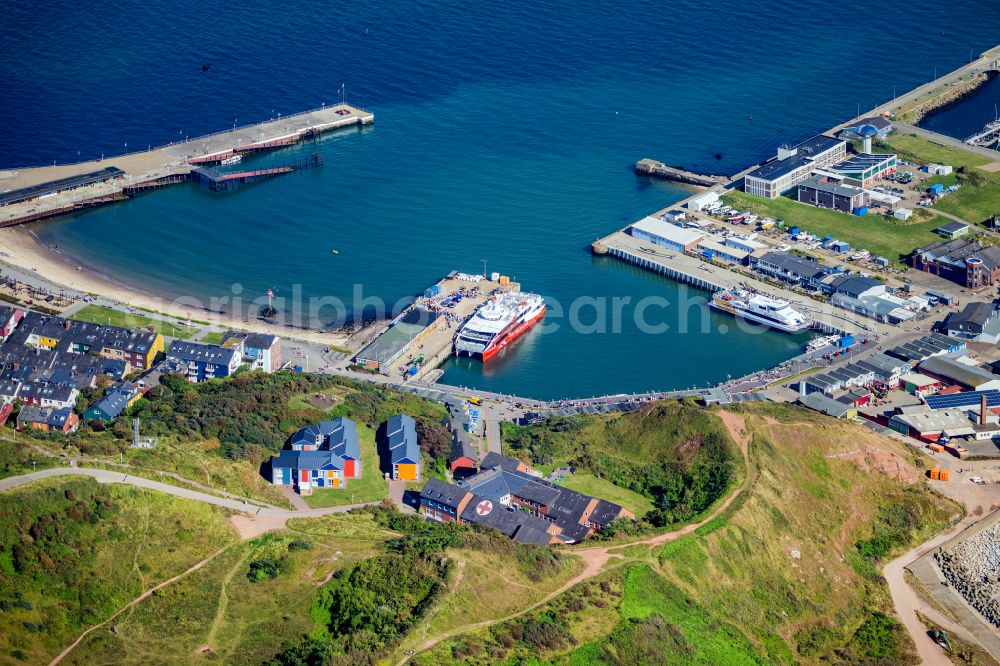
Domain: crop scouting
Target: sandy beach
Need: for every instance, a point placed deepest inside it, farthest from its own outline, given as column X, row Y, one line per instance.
column 29, row 260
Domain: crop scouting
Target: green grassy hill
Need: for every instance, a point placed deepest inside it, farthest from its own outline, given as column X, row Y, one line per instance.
column 788, row 574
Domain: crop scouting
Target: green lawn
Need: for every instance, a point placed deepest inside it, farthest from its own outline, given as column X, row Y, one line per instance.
column 979, row 196
column 212, row 338
column 371, row 487
column 588, row 484
column 890, row 239
column 917, row 149
column 96, row 314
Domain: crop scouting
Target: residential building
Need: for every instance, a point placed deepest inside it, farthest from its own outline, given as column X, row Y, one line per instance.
column 825, row 193
column 48, row 419
column 259, row 351
column 962, row 260
column 10, row 317
column 41, row 394
column 116, row 400
column 508, row 497
column 978, row 322
column 793, row 165
column 6, row 409
column 200, row 362
column 664, row 234
column 322, row 455
column 789, row 268
column 24, row 363
column 404, row 459
column 137, row 348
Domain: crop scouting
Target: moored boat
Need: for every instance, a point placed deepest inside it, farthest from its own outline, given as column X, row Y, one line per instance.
column 761, row 309
column 497, row 323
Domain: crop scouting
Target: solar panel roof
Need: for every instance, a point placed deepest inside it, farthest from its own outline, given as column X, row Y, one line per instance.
column 963, row 400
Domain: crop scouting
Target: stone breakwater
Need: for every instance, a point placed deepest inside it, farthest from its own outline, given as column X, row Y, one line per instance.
column 972, row 567
column 953, row 94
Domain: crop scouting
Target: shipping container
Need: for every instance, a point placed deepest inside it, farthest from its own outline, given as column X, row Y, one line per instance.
column 794, row 230
column 861, row 211
column 937, row 448
column 504, row 279
column 846, row 341
column 935, row 474
column 943, row 476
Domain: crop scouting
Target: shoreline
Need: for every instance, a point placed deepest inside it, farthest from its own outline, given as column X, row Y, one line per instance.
column 25, row 257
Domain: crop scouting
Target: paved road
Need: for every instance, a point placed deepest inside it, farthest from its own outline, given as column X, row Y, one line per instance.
column 907, row 603
column 987, row 153
column 108, row 476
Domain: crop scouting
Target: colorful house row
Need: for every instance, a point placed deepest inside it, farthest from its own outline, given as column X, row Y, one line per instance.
column 38, row 394
column 10, row 317
column 137, row 348
column 508, row 496
column 47, row 419
column 321, row 455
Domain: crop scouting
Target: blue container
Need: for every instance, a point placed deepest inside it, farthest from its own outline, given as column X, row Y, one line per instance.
column 846, row 341
column 708, row 254
column 432, row 291
column 936, row 189
column 413, row 371
column 298, row 368
column 793, row 230
column 862, row 211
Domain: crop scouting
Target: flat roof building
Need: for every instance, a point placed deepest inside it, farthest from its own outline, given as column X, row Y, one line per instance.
column 658, row 232
column 824, row 193
column 793, row 165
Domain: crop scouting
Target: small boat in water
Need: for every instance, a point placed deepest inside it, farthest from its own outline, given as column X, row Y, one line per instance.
column 232, row 159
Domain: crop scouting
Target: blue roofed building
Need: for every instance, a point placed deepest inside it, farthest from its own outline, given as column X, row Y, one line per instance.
column 115, row 401
column 403, row 449
column 200, row 362
column 322, row 455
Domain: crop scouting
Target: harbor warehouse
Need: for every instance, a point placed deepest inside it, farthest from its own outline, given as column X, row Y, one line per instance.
column 396, row 339
column 666, row 235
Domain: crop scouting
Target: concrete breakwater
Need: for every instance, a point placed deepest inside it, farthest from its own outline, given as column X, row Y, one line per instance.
column 953, row 94
column 972, row 567
column 649, row 167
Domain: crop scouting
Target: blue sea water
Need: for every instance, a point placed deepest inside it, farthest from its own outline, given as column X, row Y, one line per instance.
column 968, row 115
column 504, row 131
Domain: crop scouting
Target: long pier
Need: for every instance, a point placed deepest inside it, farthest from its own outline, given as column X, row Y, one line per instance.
column 36, row 193
column 648, row 167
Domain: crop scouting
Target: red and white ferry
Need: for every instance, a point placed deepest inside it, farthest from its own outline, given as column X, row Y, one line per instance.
column 497, row 323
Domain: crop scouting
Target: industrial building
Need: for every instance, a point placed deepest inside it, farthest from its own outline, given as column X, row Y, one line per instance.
column 793, row 165
column 877, row 368
column 865, row 168
column 400, row 334
column 952, row 230
column 962, row 260
column 925, row 347
column 824, row 192
column 789, row 268
column 664, row 234
column 955, row 372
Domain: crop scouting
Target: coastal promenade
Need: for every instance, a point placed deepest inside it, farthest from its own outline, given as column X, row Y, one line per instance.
column 163, row 164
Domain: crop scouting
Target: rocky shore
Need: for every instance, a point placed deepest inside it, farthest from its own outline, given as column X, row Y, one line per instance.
column 972, row 567
column 952, row 94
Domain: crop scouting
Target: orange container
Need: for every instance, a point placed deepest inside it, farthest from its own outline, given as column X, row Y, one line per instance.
column 943, row 476
column 935, row 474
column 935, row 447
column 504, row 279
